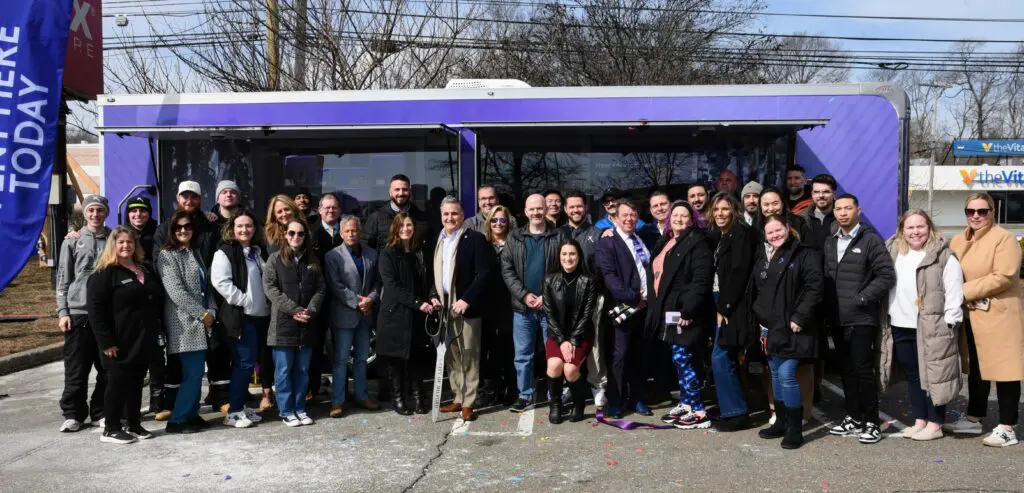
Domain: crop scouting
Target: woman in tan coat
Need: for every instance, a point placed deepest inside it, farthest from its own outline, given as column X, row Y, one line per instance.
column 991, row 258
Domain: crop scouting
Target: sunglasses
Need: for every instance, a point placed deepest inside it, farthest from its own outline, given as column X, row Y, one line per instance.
column 300, row 234
column 980, row 212
column 499, row 220
column 183, row 227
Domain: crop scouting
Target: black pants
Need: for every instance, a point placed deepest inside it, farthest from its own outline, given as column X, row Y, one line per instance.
column 318, row 364
column 81, row 354
column 266, row 360
column 855, row 346
column 157, row 382
column 1008, row 393
column 218, row 372
column 905, row 351
column 628, row 369
column 123, row 395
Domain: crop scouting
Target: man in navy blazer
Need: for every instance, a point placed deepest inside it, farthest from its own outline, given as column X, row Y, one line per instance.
column 462, row 269
column 622, row 259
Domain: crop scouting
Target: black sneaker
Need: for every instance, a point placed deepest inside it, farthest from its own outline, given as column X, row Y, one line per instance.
column 139, row 432
column 870, row 434
column 198, row 422
column 117, row 436
column 179, row 428
column 521, row 405
column 848, row 427
column 735, row 423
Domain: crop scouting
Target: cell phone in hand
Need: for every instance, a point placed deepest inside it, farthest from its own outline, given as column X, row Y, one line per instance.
column 672, row 318
column 983, row 304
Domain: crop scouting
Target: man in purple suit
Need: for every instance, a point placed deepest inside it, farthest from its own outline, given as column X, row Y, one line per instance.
column 622, row 259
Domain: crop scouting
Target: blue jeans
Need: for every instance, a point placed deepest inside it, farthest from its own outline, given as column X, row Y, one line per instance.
column 732, row 400
column 354, row 341
column 291, row 378
column 784, row 383
column 527, row 329
column 245, row 350
column 186, row 404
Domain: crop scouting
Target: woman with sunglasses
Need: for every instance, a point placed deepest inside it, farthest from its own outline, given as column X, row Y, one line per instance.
column 280, row 211
column 295, row 286
column 991, row 259
column 497, row 361
column 404, row 304
column 189, row 314
column 787, row 286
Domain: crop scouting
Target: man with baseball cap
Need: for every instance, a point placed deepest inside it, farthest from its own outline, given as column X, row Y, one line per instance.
column 77, row 260
column 140, row 218
column 190, row 197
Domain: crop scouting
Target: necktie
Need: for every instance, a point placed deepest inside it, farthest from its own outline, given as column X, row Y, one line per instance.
column 641, row 252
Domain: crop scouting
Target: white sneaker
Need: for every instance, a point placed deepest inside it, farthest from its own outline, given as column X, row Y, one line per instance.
column 963, row 425
column 1001, row 437
column 304, row 419
column 101, row 424
column 771, row 420
column 238, row 420
column 291, row 421
column 253, row 415
column 675, row 414
column 70, row 426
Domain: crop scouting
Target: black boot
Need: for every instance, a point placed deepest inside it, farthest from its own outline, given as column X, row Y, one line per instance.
column 579, row 390
column 794, row 428
column 156, row 398
column 397, row 398
column 555, row 404
column 777, row 430
column 419, row 396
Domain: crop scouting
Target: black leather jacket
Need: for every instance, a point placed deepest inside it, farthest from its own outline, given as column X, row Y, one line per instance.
column 513, row 260
column 574, row 327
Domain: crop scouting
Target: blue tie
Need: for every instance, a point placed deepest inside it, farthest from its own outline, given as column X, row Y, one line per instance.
column 641, row 252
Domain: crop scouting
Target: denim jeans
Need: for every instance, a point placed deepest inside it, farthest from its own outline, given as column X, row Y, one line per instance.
column 784, row 383
column 527, row 329
column 186, row 404
column 245, row 350
column 354, row 341
column 732, row 400
column 291, row 378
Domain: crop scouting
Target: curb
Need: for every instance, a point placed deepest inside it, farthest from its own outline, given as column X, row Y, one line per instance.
column 31, row 358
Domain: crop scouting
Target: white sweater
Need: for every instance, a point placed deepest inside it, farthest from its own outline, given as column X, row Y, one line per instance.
column 252, row 301
column 903, row 309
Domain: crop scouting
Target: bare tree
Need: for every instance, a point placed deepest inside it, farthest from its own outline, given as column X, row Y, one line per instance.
column 799, row 60
column 982, row 91
column 924, row 89
column 1014, row 96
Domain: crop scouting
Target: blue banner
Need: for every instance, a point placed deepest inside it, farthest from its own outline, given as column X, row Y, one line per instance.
column 965, row 148
column 33, row 41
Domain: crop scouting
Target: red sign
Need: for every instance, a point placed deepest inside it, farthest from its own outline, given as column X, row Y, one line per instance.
column 83, row 70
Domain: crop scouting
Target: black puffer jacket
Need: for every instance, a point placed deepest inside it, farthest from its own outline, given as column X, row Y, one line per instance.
column 788, row 288
column 685, row 287
column 577, row 326
column 855, row 285
column 290, row 288
column 146, row 239
column 378, row 225
column 820, row 229
column 513, row 261
column 733, row 253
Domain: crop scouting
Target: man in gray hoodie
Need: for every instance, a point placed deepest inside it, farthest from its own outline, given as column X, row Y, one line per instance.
column 78, row 258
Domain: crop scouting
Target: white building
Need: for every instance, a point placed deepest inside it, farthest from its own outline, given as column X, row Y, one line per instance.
column 953, row 184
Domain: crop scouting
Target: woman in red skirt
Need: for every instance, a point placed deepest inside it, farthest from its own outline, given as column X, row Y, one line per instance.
column 570, row 293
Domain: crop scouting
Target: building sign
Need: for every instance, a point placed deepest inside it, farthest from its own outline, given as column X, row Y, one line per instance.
column 33, row 40
column 967, row 148
column 972, row 178
column 991, row 176
column 83, row 75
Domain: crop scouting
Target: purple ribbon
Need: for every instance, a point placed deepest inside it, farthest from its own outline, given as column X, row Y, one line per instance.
column 625, row 424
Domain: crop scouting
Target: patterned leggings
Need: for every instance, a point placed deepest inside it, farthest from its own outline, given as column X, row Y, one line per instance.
column 689, row 380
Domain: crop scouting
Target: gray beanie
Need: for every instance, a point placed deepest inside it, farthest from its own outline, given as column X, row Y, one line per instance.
column 752, row 187
column 225, row 185
column 91, row 200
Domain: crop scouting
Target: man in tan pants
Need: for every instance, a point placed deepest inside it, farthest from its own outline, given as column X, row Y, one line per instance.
column 462, row 267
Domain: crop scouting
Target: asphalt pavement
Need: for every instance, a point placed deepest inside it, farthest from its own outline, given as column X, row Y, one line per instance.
column 502, row 451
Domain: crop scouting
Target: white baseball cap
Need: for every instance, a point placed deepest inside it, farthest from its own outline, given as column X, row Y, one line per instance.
column 190, row 186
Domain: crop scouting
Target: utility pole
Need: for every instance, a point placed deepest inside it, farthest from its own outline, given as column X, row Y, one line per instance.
column 273, row 54
column 300, row 44
column 935, row 144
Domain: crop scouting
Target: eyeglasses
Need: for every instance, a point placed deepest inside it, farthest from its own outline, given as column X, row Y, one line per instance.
column 183, row 227
column 499, row 220
column 980, row 212
column 300, row 234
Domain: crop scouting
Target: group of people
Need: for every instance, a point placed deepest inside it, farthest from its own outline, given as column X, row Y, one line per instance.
column 559, row 306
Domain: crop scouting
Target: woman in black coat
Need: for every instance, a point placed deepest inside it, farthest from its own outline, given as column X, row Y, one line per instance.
column 680, row 311
column 786, row 288
column 125, row 301
column 733, row 246
column 569, row 294
column 400, row 335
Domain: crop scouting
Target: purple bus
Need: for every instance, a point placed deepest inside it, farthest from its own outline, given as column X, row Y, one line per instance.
column 521, row 140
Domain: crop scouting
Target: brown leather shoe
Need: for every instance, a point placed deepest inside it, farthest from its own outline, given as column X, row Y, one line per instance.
column 369, row 404
column 450, row 408
column 336, row 410
column 468, row 414
column 224, row 409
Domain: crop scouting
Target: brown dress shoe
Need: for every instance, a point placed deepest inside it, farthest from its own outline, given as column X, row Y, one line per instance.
column 468, row 414
column 450, row 408
column 162, row 415
column 369, row 404
column 336, row 410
